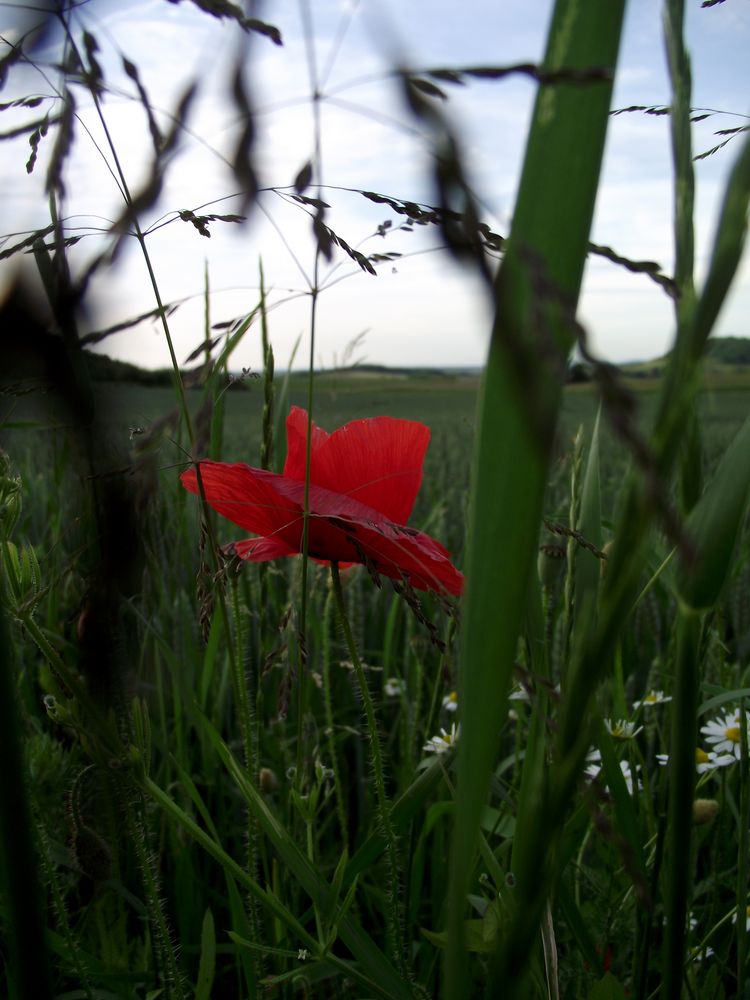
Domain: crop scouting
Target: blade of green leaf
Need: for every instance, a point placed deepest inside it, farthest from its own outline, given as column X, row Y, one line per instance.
column 714, row 524
column 207, row 965
column 520, row 395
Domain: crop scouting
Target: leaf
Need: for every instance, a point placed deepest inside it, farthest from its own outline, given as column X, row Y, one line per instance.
column 207, row 966
column 156, row 137
column 608, row 988
column 372, row 961
column 559, row 181
column 728, row 246
column 431, row 89
column 223, row 8
column 303, row 178
column 714, row 524
column 475, row 939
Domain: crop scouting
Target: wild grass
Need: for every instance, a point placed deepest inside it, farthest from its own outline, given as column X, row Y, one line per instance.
column 227, row 779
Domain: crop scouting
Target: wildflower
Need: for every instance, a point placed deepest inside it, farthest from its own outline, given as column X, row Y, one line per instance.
column 747, row 918
column 622, row 729
column 519, row 693
column 364, row 479
column 595, row 765
column 444, row 742
column 724, row 733
column 703, row 951
column 705, row 811
column 652, row 698
column 394, row 687
column 450, row 702
column 704, row 761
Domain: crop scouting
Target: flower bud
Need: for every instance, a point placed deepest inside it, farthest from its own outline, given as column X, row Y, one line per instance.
column 10, row 497
column 267, row 780
column 704, row 811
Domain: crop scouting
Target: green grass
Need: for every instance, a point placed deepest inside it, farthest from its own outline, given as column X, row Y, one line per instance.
column 218, row 777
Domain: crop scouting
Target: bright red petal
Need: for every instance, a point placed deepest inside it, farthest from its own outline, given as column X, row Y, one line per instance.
column 344, row 530
column 250, row 498
column 262, row 549
column 377, row 461
column 296, row 442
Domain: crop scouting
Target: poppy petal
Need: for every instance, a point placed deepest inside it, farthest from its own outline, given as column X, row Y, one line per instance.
column 249, row 498
column 377, row 461
column 344, row 530
column 262, row 549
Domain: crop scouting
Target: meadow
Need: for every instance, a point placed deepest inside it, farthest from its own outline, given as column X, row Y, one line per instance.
column 358, row 719
column 182, row 862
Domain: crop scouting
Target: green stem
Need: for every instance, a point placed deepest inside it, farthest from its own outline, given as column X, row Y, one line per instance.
column 331, row 737
column 18, row 871
column 679, row 813
column 395, row 931
column 169, row 971
column 742, row 855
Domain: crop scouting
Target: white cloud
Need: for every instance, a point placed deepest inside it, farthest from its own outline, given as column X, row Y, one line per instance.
column 429, row 311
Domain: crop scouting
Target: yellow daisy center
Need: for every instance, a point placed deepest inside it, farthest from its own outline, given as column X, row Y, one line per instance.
column 701, row 757
column 453, row 696
column 733, row 734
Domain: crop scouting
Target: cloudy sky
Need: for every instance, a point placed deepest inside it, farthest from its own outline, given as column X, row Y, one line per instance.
column 421, row 309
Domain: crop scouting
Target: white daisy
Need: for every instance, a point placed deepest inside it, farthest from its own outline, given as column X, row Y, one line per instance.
column 594, row 768
column 622, row 729
column 519, row 693
column 704, row 761
column 724, row 733
column 652, row 698
column 747, row 918
column 394, row 687
column 450, row 702
column 444, row 742
column 698, row 954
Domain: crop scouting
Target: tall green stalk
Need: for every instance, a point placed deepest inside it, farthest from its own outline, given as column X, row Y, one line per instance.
column 535, row 297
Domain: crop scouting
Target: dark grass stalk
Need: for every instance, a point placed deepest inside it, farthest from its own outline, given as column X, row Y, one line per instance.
column 249, row 730
column 60, row 910
column 27, row 945
column 139, row 235
column 679, row 839
column 743, row 860
column 266, row 448
column 329, row 720
column 394, row 915
column 230, row 866
column 168, row 968
column 303, row 680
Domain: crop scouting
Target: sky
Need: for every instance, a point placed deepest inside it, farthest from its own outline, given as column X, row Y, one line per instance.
column 422, row 309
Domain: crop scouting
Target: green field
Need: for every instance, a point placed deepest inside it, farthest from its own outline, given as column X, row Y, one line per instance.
column 115, row 907
column 368, row 724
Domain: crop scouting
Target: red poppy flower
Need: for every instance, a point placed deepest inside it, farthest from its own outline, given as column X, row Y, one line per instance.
column 364, row 479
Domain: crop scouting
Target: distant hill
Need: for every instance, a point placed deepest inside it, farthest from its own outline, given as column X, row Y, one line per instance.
column 723, row 354
column 104, row 369
column 730, row 350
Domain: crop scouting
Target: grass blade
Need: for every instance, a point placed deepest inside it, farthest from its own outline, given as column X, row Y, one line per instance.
column 518, row 407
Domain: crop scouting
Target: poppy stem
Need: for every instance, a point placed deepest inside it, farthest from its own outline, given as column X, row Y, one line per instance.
column 395, row 923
